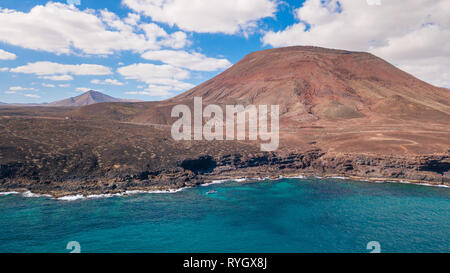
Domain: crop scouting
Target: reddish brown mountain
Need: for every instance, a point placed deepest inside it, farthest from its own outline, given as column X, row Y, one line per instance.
column 336, row 100
column 311, row 83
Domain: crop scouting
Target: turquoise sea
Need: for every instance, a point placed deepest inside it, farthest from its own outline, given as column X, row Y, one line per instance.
column 288, row 215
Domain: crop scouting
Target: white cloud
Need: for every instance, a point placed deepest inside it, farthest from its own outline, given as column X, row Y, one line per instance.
column 34, row 96
column 4, row 69
column 158, row 35
column 156, row 74
column 64, row 85
column 16, row 89
column 152, row 93
column 57, row 78
column 107, row 82
column 5, row 55
column 230, row 16
column 183, row 59
column 166, row 76
column 50, row 68
column 149, row 72
column 83, row 89
column 64, row 29
column 20, row 88
column 132, row 19
column 48, row 85
column 413, row 35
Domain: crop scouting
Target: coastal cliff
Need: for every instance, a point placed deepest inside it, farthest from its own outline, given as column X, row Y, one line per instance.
column 433, row 170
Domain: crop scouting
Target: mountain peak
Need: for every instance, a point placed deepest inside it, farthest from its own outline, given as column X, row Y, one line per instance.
column 93, row 92
column 87, row 98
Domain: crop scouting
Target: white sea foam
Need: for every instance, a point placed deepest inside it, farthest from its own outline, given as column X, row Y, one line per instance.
column 168, row 191
column 405, row 182
column 240, row 180
column 214, row 182
column 262, row 179
column 9, row 193
column 432, row 185
column 91, row 196
column 340, row 177
column 299, row 177
column 71, row 197
column 134, row 192
column 109, row 195
column 29, row 194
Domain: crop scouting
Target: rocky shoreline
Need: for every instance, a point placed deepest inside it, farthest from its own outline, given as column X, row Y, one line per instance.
column 430, row 170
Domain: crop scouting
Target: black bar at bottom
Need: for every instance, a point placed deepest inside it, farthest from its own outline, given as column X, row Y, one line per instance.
column 225, row 262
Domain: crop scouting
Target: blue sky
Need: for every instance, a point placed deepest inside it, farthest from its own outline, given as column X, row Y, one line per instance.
column 154, row 49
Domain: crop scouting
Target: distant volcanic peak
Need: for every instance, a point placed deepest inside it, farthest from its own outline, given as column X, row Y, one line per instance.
column 88, row 98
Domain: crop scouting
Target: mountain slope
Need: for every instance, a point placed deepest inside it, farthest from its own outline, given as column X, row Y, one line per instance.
column 88, row 98
column 311, row 83
column 335, row 100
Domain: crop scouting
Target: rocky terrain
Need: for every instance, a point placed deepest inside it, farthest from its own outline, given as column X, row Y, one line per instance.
column 342, row 114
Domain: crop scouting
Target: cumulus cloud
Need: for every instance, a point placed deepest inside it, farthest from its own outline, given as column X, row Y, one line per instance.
column 82, row 89
column 165, row 77
column 48, row 85
column 158, row 91
column 158, row 35
column 61, row 70
column 20, row 88
column 132, row 19
column 33, row 96
column 57, row 78
column 150, row 73
column 415, row 35
column 107, row 82
column 154, row 90
column 64, row 29
column 183, row 59
column 230, row 16
column 5, row 55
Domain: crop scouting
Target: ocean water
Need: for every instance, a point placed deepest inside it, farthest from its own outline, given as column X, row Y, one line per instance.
column 289, row 215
